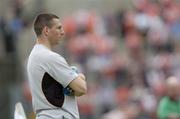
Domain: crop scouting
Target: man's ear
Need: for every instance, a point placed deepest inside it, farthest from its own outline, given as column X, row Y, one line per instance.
column 45, row 30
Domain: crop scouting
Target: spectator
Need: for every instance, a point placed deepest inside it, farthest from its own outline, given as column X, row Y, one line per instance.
column 169, row 106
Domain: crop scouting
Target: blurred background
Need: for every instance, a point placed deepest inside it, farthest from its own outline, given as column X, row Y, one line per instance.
column 126, row 48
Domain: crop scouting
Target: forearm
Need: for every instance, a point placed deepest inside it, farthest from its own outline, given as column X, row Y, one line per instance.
column 173, row 116
column 77, row 94
column 79, row 86
column 169, row 116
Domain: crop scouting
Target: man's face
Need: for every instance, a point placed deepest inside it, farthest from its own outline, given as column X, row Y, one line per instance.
column 56, row 32
column 173, row 92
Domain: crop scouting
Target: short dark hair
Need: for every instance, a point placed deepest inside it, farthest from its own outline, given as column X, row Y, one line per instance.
column 43, row 20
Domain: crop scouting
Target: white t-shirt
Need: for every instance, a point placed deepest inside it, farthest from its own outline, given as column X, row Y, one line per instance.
column 48, row 74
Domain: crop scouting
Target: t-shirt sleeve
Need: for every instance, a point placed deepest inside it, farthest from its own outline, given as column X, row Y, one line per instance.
column 162, row 111
column 60, row 70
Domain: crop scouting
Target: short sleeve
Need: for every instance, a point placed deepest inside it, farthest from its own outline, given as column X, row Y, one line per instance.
column 162, row 111
column 58, row 68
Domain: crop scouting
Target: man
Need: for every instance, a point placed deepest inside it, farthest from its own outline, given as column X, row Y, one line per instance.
column 169, row 107
column 54, row 84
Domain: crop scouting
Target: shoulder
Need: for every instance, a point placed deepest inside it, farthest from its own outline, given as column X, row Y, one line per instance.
column 53, row 59
column 43, row 56
column 52, row 56
column 164, row 101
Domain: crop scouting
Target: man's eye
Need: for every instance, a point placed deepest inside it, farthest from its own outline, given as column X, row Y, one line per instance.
column 59, row 27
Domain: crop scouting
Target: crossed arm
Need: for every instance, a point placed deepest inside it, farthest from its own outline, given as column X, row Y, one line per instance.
column 79, row 85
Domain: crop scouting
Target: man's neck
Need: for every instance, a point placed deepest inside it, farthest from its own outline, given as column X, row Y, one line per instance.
column 43, row 41
column 173, row 99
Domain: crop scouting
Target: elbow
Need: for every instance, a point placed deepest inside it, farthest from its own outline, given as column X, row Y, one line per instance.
column 82, row 92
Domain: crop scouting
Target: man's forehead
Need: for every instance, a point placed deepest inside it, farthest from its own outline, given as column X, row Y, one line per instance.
column 56, row 22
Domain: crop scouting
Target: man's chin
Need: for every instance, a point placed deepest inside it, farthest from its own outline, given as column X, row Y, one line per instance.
column 58, row 42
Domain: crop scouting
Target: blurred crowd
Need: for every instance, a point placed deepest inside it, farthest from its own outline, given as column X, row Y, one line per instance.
column 127, row 56
column 12, row 22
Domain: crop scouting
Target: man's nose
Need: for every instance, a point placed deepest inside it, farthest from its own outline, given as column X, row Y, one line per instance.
column 62, row 32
